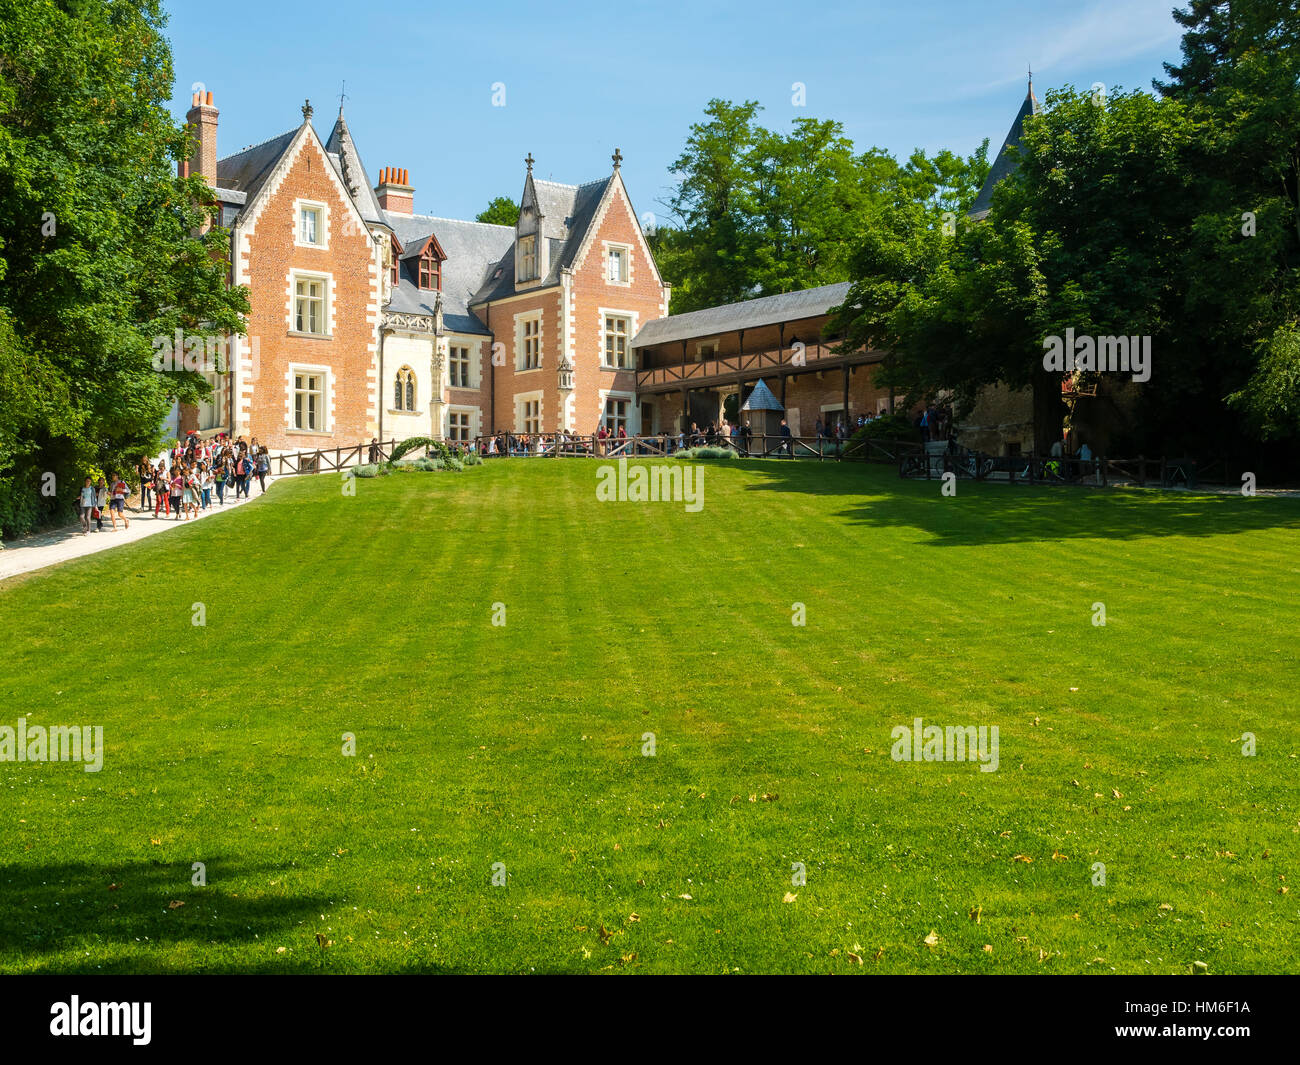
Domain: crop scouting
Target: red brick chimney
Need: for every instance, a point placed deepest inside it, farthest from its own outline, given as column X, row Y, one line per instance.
column 202, row 123
column 395, row 192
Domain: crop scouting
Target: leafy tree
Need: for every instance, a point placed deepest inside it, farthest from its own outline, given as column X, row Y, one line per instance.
column 101, row 247
column 710, row 203
column 502, row 211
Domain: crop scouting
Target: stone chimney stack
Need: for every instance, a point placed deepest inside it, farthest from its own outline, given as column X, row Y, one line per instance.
column 202, row 122
column 394, row 191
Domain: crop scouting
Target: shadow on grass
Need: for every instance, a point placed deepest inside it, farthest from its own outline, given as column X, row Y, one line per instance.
column 48, row 912
column 999, row 513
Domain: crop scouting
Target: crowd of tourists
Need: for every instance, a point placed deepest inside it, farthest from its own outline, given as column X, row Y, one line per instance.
column 179, row 483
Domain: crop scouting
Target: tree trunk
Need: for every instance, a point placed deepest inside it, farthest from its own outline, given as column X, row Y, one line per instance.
column 1049, row 411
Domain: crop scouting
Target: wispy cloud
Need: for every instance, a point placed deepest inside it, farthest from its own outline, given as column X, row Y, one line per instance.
column 1108, row 32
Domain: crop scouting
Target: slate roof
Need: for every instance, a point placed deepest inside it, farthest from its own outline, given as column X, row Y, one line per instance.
column 248, row 170
column 473, row 250
column 762, row 399
column 749, row 314
column 1004, row 164
column 567, row 213
column 353, row 172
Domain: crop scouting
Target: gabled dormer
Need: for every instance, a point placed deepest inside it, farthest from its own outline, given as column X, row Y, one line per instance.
column 531, row 264
column 422, row 263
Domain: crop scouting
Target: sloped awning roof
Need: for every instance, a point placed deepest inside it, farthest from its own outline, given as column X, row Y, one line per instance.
column 762, row 399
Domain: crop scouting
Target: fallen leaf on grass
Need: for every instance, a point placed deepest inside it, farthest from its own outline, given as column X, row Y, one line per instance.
column 976, row 913
column 1165, row 906
column 687, row 897
column 853, row 957
column 281, row 950
column 790, row 896
column 932, row 940
column 634, row 917
column 1022, row 858
column 175, row 904
column 987, row 948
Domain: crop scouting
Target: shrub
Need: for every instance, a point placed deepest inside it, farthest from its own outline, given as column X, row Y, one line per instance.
column 693, row 453
column 427, row 465
column 473, row 459
column 369, row 471
column 451, row 462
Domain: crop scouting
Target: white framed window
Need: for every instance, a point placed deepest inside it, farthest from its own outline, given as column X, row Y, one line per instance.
column 458, row 366
column 528, row 413
column 404, row 390
column 617, row 329
column 311, row 305
column 615, row 417
column 529, row 353
column 458, row 426
column 309, row 401
column 526, row 262
column 618, row 265
column 310, row 224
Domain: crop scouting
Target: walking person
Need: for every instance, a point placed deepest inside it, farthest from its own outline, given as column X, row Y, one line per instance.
column 205, row 485
column 786, row 440
column 161, row 498
column 219, row 480
column 117, row 502
column 146, row 485
column 101, row 504
column 177, row 486
column 85, row 505
column 263, row 468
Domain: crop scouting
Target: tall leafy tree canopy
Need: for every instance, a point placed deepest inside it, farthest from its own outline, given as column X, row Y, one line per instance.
column 757, row 212
column 502, row 211
column 1174, row 216
column 100, row 246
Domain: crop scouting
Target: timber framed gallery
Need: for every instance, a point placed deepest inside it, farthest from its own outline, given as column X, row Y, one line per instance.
column 699, row 367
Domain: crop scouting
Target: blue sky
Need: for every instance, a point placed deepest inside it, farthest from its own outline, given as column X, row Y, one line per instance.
column 582, row 78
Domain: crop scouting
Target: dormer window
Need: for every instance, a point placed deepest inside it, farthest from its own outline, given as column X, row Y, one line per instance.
column 430, row 271
column 527, row 267
column 311, row 225
column 616, row 269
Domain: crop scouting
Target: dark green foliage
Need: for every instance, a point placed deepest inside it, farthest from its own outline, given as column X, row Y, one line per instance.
column 98, row 246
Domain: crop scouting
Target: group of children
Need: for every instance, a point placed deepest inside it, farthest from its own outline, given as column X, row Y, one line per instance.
column 197, row 469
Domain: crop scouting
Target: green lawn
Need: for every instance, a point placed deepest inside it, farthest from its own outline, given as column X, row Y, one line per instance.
column 522, row 744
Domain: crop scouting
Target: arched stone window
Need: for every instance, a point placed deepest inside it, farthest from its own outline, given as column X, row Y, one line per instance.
column 404, row 390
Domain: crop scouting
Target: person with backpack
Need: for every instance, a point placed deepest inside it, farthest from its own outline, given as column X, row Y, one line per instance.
column 263, row 467
column 101, row 504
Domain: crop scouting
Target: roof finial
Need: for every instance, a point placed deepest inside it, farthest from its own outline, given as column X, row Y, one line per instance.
column 306, row 110
column 343, row 95
column 618, row 158
column 530, row 161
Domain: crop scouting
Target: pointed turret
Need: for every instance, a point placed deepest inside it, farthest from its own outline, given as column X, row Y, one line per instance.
column 1005, row 164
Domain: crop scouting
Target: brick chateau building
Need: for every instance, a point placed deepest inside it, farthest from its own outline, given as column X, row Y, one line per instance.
column 370, row 320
